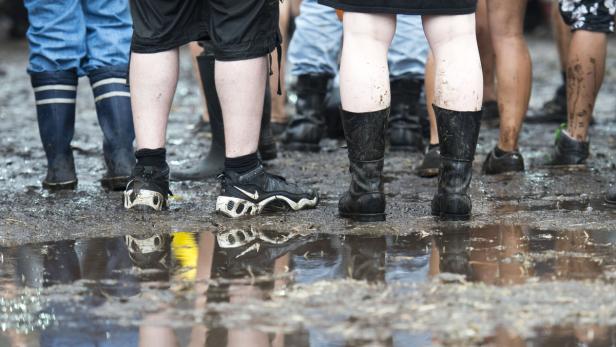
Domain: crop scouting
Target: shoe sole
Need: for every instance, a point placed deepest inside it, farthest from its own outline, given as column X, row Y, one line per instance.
column 427, row 173
column 374, row 217
column 236, row 207
column 67, row 185
column 146, row 200
column 115, row 183
column 610, row 202
column 302, row 147
column 451, row 217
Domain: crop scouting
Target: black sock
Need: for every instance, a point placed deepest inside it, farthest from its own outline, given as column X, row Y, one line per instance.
column 151, row 157
column 499, row 152
column 242, row 164
column 431, row 146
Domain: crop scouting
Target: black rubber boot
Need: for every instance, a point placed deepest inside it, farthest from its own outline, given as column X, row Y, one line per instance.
column 458, row 133
column 568, row 152
column 115, row 117
column 307, row 125
column 404, row 124
column 55, row 94
column 213, row 163
column 267, row 144
column 365, row 137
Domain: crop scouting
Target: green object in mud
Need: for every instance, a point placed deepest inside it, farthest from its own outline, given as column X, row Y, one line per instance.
column 559, row 131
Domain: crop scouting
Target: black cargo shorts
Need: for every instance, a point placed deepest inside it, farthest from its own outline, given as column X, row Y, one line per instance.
column 238, row 29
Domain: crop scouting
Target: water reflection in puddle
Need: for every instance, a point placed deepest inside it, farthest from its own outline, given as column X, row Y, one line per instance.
column 159, row 290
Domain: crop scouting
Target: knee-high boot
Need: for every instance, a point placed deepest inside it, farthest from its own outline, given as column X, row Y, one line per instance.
column 457, row 133
column 365, row 137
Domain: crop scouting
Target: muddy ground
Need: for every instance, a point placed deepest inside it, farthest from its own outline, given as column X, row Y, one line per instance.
column 535, row 266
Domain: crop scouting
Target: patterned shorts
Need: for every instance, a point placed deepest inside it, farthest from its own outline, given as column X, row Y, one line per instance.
column 589, row 15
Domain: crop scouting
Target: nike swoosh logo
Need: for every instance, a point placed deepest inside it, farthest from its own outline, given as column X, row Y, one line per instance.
column 254, row 196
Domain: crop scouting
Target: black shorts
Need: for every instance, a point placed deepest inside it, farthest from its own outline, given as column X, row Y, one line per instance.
column 238, row 29
column 422, row 7
column 589, row 15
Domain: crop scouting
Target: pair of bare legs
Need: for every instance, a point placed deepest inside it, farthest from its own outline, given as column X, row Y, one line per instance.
column 364, row 74
column 240, row 86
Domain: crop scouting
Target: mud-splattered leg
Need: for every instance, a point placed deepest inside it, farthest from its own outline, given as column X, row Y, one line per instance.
column 585, row 70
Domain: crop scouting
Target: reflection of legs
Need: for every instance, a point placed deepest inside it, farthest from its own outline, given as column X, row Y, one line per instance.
column 365, row 96
column 457, row 103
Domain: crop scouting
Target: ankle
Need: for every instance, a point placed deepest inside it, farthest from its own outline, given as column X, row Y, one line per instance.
column 242, row 164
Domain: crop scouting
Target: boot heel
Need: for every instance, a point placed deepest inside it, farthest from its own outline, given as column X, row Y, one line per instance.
column 454, row 217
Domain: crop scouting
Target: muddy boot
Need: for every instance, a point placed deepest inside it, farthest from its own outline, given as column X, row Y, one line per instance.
column 213, row 163
column 431, row 162
column 554, row 110
column 458, row 132
column 499, row 161
column 568, row 152
column 267, row 144
column 55, row 94
column 404, row 124
column 115, row 117
column 307, row 125
column 365, row 137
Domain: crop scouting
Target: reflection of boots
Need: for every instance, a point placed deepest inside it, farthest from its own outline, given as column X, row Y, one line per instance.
column 458, row 133
column 213, row 163
column 55, row 94
column 307, row 125
column 404, row 124
column 267, row 144
column 115, row 116
column 365, row 136
column 453, row 247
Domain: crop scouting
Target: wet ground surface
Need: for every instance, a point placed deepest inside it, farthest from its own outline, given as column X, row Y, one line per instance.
column 536, row 266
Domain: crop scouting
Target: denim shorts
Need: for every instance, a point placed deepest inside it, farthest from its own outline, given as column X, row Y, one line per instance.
column 238, row 29
column 589, row 15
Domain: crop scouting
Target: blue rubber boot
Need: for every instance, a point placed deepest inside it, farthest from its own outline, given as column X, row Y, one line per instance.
column 115, row 117
column 55, row 94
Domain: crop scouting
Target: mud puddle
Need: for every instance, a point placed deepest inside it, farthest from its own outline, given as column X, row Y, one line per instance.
column 255, row 286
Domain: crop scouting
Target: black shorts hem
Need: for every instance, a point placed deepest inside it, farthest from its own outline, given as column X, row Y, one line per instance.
column 255, row 49
column 595, row 29
column 392, row 10
column 148, row 46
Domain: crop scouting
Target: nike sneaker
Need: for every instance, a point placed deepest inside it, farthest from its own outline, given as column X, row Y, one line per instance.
column 257, row 191
column 148, row 188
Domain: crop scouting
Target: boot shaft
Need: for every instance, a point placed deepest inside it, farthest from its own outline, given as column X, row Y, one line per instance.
column 365, row 134
column 405, row 92
column 311, row 92
column 458, row 132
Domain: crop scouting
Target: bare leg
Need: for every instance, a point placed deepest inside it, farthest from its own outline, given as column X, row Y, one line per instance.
column 241, row 89
column 585, row 71
column 513, row 67
column 195, row 50
column 429, row 90
column 278, row 101
column 562, row 35
column 364, row 73
column 153, row 78
column 486, row 51
column 459, row 84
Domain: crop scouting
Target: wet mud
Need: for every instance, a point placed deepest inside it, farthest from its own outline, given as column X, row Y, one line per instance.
column 535, row 266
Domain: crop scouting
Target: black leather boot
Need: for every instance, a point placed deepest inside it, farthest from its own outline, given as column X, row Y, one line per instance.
column 404, row 123
column 365, row 137
column 267, row 144
column 458, row 133
column 55, row 94
column 213, row 163
column 306, row 127
column 115, row 117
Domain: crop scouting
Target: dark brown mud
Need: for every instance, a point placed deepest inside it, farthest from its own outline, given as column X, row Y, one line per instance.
column 535, row 266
